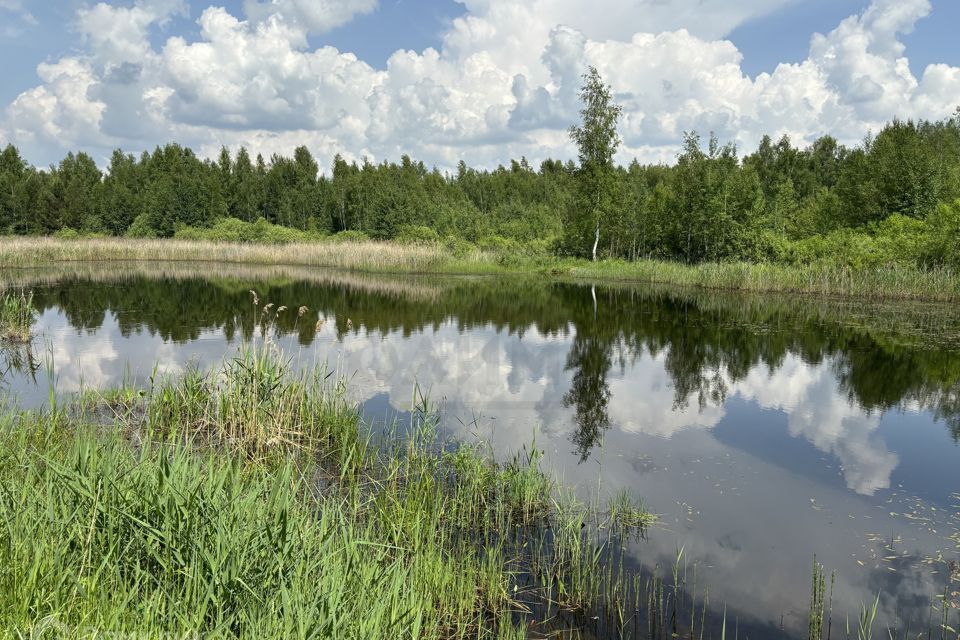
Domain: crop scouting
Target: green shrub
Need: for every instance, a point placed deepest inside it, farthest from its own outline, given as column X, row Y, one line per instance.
column 459, row 247
column 190, row 233
column 92, row 226
column 499, row 244
column 943, row 242
column 413, row 234
column 540, row 247
column 895, row 240
column 234, row 230
column 350, row 236
column 67, row 234
column 72, row 234
column 276, row 234
column 844, row 247
column 141, row 227
column 901, row 239
column 231, row 230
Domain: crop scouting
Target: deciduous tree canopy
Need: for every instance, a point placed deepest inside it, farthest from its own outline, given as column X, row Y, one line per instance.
column 893, row 198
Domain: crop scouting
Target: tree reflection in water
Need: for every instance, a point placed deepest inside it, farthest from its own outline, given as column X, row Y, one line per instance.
column 884, row 355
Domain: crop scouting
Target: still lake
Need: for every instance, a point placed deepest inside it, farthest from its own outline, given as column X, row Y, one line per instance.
column 764, row 430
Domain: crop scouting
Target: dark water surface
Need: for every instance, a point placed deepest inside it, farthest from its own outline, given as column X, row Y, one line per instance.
column 764, row 429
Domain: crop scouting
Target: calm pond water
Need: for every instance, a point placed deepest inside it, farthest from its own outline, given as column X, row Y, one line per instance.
column 764, row 429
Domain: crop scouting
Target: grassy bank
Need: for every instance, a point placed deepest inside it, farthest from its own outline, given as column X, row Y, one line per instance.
column 361, row 256
column 894, row 282
column 252, row 502
column 878, row 283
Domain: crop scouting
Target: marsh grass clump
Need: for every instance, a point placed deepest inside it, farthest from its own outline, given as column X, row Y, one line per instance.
column 628, row 514
column 16, row 316
column 180, row 533
column 255, row 402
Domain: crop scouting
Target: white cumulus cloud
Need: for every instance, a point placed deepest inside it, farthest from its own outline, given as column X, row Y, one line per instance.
column 503, row 83
column 310, row 16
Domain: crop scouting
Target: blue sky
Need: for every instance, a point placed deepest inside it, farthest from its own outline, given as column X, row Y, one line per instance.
column 396, row 24
column 784, row 36
column 505, row 86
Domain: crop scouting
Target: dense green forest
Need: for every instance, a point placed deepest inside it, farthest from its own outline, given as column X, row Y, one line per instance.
column 895, row 198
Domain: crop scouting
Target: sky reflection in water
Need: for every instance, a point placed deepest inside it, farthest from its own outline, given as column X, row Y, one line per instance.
column 764, row 431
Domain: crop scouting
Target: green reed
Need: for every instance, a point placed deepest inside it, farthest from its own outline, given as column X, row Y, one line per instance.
column 252, row 501
column 16, row 316
column 821, row 606
column 865, row 626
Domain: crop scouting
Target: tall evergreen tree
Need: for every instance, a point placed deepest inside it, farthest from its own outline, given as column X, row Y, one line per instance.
column 76, row 193
column 121, row 200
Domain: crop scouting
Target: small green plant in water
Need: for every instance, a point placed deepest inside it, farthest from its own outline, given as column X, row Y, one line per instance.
column 16, row 316
column 868, row 617
column 628, row 513
column 821, row 606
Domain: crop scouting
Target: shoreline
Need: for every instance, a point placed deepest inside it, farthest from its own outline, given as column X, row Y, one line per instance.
column 894, row 282
column 409, row 509
column 225, row 508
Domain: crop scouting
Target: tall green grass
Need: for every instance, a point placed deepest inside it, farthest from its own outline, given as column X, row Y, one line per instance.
column 252, row 501
column 163, row 540
column 16, row 316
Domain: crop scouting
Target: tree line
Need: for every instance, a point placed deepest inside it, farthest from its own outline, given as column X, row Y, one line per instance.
column 895, row 197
